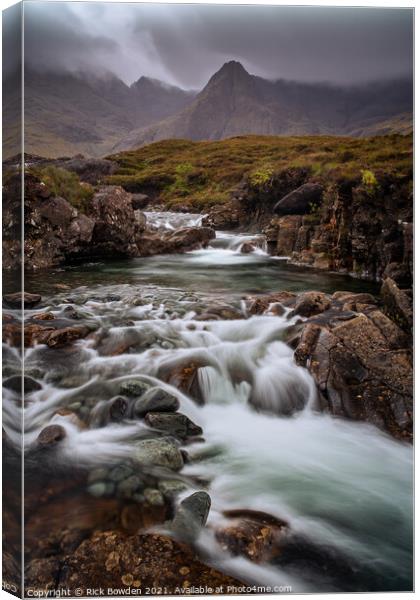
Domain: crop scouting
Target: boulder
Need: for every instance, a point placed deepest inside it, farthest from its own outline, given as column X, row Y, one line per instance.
column 58, row 338
column 362, row 365
column 51, row 435
column 223, row 217
column 156, row 400
column 160, row 452
column 258, row 305
column 301, row 201
column 118, row 408
column 191, row 516
column 397, row 304
column 311, row 303
column 184, row 239
column 115, row 232
column 134, row 387
column 175, row 424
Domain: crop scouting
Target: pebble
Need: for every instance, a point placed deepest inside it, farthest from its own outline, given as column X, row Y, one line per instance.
column 120, row 472
column 153, row 497
column 97, row 475
column 97, row 489
column 128, row 486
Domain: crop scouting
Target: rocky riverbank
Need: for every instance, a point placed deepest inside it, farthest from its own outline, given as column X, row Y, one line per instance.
column 362, row 226
column 106, row 225
column 138, row 513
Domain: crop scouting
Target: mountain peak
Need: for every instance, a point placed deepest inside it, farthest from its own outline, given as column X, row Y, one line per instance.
column 233, row 66
column 231, row 73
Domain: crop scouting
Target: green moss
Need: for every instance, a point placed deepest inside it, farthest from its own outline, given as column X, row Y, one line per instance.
column 261, row 176
column 66, row 185
column 201, row 174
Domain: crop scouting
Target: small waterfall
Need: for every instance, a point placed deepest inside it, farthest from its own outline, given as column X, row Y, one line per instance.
column 170, row 221
column 343, row 485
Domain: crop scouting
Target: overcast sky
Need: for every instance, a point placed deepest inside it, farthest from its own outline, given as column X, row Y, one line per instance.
column 185, row 45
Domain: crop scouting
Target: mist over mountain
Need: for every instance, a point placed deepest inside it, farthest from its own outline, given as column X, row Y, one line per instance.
column 236, row 103
column 68, row 113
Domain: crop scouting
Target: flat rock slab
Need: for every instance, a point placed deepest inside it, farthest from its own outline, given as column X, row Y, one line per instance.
column 111, row 560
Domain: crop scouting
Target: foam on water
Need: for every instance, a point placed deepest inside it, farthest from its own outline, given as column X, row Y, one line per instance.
column 341, row 484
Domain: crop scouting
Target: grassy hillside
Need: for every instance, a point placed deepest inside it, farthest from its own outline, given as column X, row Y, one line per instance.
column 201, row 174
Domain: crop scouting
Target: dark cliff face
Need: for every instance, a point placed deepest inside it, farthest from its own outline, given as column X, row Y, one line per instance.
column 362, row 226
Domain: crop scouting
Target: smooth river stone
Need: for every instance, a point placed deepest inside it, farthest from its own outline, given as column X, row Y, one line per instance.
column 162, row 452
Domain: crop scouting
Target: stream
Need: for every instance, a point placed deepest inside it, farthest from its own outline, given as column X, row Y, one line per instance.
column 343, row 487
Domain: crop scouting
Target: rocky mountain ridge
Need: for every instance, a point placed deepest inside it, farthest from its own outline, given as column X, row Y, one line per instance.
column 235, row 102
column 69, row 113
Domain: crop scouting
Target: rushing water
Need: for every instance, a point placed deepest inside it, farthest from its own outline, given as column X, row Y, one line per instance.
column 343, row 487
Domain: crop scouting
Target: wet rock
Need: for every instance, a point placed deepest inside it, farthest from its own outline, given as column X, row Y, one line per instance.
column 72, row 417
column 191, row 516
column 134, row 387
column 247, row 248
column 46, row 316
column 15, row 300
column 301, row 201
column 180, row 240
column 354, row 298
column 362, row 366
column 153, row 497
column 127, row 487
column 256, row 535
column 98, row 489
column 311, row 303
column 98, row 474
column 120, row 472
column 15, row 384
column 258, row 305
column 118, row 408
column 171, row 487
column 59, row 338
column 156, row 400
column 110, row 559
column 174, row 424
column 222, row 217
column 397, row 304
column 162, row 452
column 51, row 435
column 184, row 377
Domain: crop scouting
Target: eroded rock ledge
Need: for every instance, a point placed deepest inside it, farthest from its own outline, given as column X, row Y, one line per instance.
column 361, row 225
column 358, row 349
column 110, row 226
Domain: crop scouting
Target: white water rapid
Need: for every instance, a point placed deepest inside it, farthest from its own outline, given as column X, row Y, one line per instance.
column 343, row 487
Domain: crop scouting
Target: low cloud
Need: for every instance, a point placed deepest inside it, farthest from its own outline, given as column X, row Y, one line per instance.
column 186, row 44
